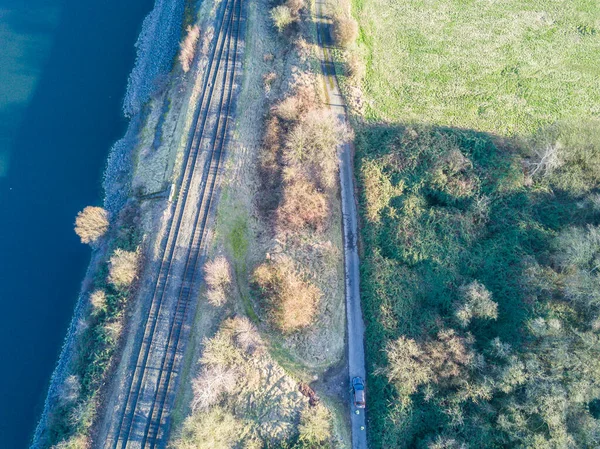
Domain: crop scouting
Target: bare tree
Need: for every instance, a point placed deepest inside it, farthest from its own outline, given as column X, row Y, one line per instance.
column 91, row 224
column 217, row 274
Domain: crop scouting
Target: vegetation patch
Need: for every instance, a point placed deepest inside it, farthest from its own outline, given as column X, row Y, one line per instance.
column 242, row 398
column 477, row 164
column 70, row 420
column 476, row 285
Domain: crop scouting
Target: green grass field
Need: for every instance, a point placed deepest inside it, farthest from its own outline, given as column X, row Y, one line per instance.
column 478, row 160
column 504, row 67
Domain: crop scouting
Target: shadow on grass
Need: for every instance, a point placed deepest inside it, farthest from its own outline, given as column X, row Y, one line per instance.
column 442, row 207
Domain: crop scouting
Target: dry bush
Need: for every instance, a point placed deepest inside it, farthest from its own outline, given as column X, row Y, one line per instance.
column 295, row 6
column 112, row 330
column 312, row 146
column 188, row 47
column 345, row 30
column 75, row 442
column 268, row 79
column 91, row 224
column 212, row 383
column 98, row 301
column 246, row 335
column 291, row 300
column 440, row 361
column 315, row 426
column 217, row 274
column 476, row 303
column 70, row 389
column 303, row 206
column 355, row 67
column 282, row 17
column 123, row 266
column 288, row 109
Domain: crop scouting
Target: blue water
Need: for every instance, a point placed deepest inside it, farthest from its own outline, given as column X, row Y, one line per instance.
column 63, row 72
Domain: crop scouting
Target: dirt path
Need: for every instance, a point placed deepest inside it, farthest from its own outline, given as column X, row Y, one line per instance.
column 356, row 327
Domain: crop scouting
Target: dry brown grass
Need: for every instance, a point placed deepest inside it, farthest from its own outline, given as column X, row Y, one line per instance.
column 91, row 224
column 188, row 47
column 217, row 275
column 123, row 267
column 291, row 300
column 303, row 206
column 355, row 67
column 345, row 30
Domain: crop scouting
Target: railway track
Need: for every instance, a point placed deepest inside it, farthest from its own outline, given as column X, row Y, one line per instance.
column 149, row 393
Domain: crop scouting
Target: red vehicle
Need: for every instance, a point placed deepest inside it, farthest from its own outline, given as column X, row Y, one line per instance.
column 358, row 389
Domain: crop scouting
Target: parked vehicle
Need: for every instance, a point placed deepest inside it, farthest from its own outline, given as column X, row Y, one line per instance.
column 358, row 389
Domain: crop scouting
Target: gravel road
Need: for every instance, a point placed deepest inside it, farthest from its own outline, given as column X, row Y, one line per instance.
column 356, row 326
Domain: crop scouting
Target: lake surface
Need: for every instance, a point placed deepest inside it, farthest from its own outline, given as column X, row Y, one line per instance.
column 63, row 72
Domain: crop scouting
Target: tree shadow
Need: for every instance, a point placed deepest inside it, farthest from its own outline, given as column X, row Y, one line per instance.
column 458, row 206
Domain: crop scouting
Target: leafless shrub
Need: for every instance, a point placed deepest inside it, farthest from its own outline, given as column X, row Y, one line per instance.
column 70, row 389
column 98, row 301
column 411, row 364
column 212, row 383
column 217, row 274
column 123, row 266
column 281, row 17
column 477, row 303
column 292, row 301
column 112, row 330
column 246, row 335
column 345, row 30
column 91, row 224
column 546, row 159
column 288, row 109
column 303, row 206
column 188, row 47
column 268, row 57
column 268, row 79
column 312, row 146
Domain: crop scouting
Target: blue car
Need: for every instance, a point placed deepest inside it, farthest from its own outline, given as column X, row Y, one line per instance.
column 358, row 389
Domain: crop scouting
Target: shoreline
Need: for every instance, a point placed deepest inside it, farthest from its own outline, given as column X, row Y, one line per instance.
column 119, row 170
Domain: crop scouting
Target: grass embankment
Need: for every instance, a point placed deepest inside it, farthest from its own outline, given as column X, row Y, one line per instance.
column 478, row 163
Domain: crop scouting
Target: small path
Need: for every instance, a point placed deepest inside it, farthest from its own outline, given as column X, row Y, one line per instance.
column 356, row 326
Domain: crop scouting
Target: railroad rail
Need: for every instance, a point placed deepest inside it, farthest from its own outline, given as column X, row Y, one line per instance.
column 142, row 422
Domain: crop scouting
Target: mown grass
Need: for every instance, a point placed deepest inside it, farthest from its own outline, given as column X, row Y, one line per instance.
column 502, row 67
column 459, row 95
